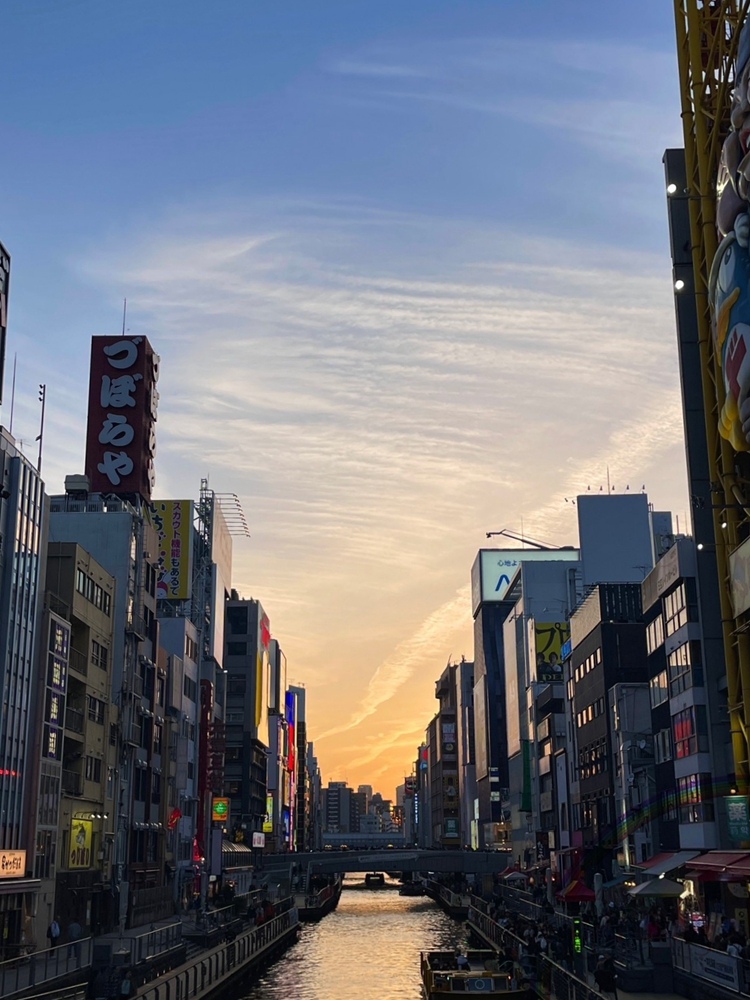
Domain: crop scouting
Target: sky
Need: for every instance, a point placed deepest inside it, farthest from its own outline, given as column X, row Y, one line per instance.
column 406, row 266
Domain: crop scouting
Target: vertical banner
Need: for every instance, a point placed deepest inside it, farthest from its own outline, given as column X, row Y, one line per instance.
column 173, row 520
column 121, row 431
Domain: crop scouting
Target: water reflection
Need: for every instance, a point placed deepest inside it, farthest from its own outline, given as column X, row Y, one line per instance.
column 368, row 949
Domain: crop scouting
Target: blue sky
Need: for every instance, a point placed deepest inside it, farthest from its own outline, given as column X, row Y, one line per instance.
column 406, row 266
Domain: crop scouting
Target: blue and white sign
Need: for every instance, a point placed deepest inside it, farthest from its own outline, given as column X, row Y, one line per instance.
column 494, row 569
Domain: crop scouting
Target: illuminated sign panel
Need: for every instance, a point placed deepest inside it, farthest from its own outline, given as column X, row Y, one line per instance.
column 121, row 433
column 219, row 810
column 493, row 570
column 173, row 520
column 549, row 639
column 12, row 864
column 81, row 836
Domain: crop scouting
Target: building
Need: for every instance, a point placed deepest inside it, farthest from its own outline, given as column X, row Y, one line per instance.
column 247, row 660
column 23, row 528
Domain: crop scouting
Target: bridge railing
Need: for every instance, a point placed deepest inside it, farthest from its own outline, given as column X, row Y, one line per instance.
column 209, row 970
column 550, row 978
column 38, row 967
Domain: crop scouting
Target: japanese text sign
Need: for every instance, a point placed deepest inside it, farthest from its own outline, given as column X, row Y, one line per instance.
column 121, row 437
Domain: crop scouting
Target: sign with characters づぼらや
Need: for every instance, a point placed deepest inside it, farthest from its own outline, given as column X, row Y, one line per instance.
column 121, row 432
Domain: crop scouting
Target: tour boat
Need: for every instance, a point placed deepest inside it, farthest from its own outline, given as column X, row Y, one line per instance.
column 442, row 980
column 375, row 880
column 411, row 889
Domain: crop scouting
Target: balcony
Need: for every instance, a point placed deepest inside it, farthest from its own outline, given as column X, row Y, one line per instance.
column 74, row 720
column 72, row 783
column 136, row 625
column 79, row 662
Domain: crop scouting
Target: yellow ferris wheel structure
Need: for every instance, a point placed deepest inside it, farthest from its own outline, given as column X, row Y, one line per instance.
column 708, row 33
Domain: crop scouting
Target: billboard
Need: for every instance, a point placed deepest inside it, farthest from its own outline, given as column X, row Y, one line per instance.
column 729, row 278
column 739, row 571
column 493, row 570
column 81, row 836
column 121, row 431
column 549, row 639
column 4, row 289
column 173, row 521
column 221, row 578
column 219, row 810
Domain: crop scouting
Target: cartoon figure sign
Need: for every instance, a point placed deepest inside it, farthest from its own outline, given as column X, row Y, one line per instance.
column 729, row 281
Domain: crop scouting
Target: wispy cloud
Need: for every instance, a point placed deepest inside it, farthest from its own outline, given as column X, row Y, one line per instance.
column 377, row 410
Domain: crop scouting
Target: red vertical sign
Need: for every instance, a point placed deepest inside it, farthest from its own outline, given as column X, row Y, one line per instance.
column 121, row 434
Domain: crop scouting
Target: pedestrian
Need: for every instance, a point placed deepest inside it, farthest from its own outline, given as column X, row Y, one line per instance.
column 75, row 932
column 605, row 976
column 126, row 985
column 53, row 932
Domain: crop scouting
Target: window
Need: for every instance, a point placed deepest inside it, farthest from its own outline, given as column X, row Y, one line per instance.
column 663, row 746
column 96, row 710
column 236, row 617
column 189, row 688
column 141, row 784
column 107, row 604
column 668, row 802
column 80, row 581
column 236, row 649
column 690, row 731
column 655, row 634
column 99, row 655
column 659, row 689
column 156, row 788
column 113, row 734
column 685, row 668
column 237, row 684
column 679, row 608
column 158, row 737
column 695, row 795
column 93, row 769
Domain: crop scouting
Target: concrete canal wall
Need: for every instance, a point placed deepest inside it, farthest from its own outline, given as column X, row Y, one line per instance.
column 208, row 974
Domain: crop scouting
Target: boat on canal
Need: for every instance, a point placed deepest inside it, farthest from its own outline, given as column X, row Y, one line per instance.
column 375, row 880
column 442, row 979
column 411, row 889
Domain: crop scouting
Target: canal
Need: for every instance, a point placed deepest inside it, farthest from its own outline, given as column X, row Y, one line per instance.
column 367, row 949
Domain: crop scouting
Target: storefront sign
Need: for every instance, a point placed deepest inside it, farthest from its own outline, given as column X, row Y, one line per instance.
column 716, row 966
column 81, row 835
column 259, row 840
column 738, row 817
column 220, row 810
column 12, row 864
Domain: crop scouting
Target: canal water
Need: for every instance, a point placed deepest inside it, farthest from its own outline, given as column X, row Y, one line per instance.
column 367, row 949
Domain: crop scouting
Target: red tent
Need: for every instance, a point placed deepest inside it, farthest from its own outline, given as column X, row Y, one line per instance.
column 576, row 892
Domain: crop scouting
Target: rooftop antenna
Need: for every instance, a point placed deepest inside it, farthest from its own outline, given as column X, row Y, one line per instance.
column 124, row 314
column 609, row 488
column 40, row 438
column 13, row 392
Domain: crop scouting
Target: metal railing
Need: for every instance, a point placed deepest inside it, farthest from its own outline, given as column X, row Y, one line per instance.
column 78, row 661
column 146, row 946
column 74, row 720
column 208, row 971
column 72, row 783
column 38, row 967
column 549, row 978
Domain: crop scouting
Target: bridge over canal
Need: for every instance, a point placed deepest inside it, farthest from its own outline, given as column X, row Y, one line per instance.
column 390, row 860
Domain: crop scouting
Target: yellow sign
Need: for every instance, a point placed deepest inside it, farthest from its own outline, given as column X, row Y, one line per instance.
column 81, row 835
column 220, row 811
column 268, row 818
column 173, row 520
column 12, row 864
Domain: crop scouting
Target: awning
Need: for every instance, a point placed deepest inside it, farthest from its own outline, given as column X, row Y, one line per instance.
column 618, row 880
column 667, row 862
column 721, row 866
column 576, row 892
column 229, row 847
column 661, row 887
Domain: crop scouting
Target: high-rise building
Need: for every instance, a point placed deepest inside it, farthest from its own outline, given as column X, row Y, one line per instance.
column 22, row 543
